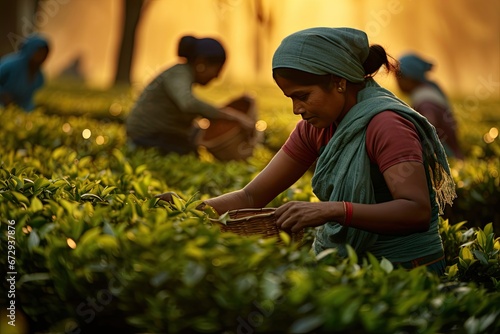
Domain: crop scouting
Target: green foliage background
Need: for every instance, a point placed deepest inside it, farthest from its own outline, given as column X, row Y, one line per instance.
column 95, row 250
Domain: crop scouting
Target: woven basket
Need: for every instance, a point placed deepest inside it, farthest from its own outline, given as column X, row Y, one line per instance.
column 225, row 139
column 248, row 222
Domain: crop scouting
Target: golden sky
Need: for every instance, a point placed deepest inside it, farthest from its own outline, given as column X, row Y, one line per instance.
column 462, row 37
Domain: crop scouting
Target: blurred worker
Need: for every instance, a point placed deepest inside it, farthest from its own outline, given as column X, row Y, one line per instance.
column 20, row 73
column 163, row 115
column 428, row 99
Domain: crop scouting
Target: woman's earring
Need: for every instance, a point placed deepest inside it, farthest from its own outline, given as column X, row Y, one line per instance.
column 340, row 90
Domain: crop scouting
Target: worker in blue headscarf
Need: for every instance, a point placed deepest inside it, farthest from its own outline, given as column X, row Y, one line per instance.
column 20, row 74
column 429, row 99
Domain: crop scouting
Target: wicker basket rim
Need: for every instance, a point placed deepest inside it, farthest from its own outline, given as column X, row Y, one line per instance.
column 269, row 213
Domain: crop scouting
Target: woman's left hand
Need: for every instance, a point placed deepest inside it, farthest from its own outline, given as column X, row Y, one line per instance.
column 294, row 216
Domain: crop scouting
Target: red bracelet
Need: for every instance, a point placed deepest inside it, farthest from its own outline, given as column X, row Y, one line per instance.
column 345, row 212
column 348, row 213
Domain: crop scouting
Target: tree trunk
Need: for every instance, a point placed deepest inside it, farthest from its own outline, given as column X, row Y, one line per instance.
column 16, row 23
column 132, row 13
column 8, row 25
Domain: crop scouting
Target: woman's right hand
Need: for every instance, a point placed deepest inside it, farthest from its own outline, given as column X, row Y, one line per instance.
column 167, row 197
column 246, row 122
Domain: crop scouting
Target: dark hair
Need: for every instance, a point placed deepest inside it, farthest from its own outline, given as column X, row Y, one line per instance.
column 376, row 58
column 187, row 48
column 209, row 49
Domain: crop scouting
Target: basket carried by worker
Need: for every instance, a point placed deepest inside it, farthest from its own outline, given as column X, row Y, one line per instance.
column 247, row 222
column 225, row 139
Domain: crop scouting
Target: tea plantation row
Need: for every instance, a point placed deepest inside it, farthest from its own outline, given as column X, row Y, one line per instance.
column 478, row 178
column 94, row 250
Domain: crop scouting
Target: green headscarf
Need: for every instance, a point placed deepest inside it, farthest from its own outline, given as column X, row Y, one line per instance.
column 340, row 51
column 343, row 174
column 343, row 168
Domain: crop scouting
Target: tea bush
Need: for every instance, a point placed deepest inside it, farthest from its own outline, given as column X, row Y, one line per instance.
column 477, row 177
column 96, row 251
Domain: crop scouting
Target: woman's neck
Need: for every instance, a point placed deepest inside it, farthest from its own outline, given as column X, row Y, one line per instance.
column 351, row 98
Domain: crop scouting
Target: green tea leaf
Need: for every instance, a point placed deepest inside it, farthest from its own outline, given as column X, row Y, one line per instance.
column 33, row 240
column 89, row 236
column 285, row 237
column 351, row 254
column 141, row 169
column 107, row 242
column 36, row 204
column 40, row 183
column 89, row 196
column 33, row 277
column 488, row 229
column 193, row 273
column 465, row 253
column 386, row 265
column 19, row 183
column 205, row 324
column 20, row 197
column 107, row 190
column 306, row 324
column 223, row 219
column 373, row 261
column 179, row 203
column 481, row 257
column 481, row 239
column 452, row 271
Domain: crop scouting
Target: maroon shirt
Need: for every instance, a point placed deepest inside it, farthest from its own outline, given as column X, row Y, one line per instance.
column 390, row 139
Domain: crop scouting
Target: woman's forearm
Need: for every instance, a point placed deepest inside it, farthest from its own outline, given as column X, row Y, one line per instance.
column 397, row 217
column 230, row 201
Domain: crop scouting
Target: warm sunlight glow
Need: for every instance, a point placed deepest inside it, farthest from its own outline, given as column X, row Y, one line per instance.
column 100, row 140
column 66, row 127
column 261, row 125
column 86, row 133
column 71, row 243
column 26, row 229
column 493, row 133
column 90, row 33
column 488, row 139
column 115, row 109
column 204, row 123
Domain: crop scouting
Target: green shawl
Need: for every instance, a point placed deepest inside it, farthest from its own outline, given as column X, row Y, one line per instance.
column 343, row 169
